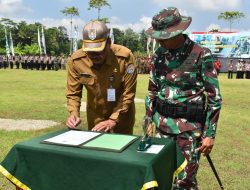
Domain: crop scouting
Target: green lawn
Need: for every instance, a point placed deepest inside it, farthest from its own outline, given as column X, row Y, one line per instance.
column 41, row 95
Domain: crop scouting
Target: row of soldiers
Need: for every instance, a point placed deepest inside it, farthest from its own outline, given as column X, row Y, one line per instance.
column 242, row 68
column 143, row 64
column 42, row 62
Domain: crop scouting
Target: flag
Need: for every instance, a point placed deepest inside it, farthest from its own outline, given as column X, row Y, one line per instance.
column 75, row 40
column 7, row 44
column 39, row 41
column 112, row 37
column 154, row 44
column 148, row 44
column 11, row 45
column 43, row 42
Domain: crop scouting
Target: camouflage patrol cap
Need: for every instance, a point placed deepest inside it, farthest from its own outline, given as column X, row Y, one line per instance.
column 95, row 35
column 168, row 23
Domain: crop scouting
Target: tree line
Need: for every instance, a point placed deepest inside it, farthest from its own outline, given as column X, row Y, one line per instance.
column 25, row 38
column 58, row 42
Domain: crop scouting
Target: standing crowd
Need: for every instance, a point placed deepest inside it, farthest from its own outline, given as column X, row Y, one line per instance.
column 143, row 64
column 31, row 62
column 242, row 69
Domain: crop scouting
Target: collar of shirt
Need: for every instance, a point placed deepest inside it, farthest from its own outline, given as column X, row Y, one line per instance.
column 108, row 61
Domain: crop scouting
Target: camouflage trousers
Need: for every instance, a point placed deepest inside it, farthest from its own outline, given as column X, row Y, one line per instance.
column 188, row 142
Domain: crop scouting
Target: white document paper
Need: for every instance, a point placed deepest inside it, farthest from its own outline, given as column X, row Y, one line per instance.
column 153, row 149
column 72, row 137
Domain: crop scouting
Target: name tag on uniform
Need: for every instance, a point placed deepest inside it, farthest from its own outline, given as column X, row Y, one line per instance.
column 111, row 95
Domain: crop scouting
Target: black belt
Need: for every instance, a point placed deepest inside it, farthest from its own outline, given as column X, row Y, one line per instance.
column 192, row 111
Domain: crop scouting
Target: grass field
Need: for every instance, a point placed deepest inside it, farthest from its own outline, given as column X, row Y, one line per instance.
column 41, row 95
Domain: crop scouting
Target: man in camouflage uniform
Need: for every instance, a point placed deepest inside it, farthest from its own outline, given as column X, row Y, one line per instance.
column 184, row 98
column 108, row 73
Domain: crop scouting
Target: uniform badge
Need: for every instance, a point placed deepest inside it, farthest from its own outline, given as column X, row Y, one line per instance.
column 92, row 34
column 130, row 69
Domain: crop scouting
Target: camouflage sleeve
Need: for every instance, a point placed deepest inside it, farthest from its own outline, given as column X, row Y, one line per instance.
column 152, row 94
column 211, row 84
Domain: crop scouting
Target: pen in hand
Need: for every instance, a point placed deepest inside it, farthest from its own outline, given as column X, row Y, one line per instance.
column 72, row 122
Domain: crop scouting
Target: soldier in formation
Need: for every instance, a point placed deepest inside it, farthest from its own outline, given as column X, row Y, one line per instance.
column 31, row 62
column 142, row 64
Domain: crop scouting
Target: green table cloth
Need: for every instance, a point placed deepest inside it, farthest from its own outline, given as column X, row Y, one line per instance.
column 36, row 166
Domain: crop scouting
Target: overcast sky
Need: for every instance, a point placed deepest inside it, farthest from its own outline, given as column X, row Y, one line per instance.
column 135, row 14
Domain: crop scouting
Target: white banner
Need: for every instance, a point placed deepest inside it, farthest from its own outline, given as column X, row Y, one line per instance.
column 75, row 40
column 43, row 41
column 39, row 41
column 11, row 45
column 111, row 35
column 154, row 45
column 7, row 44
column 148, row 44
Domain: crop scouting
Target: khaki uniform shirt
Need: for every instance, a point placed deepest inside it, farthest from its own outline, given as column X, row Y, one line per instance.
column 117, row 72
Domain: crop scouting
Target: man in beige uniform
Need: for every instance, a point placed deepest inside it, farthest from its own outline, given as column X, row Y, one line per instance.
column 108, row 73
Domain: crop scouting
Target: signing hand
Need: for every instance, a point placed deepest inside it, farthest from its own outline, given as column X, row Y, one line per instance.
column 105, row 126
column 73, row 121
column 207, row 146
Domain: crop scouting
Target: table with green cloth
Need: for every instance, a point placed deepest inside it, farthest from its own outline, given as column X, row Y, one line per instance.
column 37, row 166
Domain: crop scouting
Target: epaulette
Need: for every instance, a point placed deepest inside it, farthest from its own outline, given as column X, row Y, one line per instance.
column 120, row 50
column 78, row 54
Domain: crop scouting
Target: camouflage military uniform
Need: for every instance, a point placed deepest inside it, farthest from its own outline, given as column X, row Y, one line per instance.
column 184, row 99
column 180, row 77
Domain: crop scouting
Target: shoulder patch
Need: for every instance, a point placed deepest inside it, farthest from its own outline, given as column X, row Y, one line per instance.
column 120, row 50
column 78, row 54
column 130, row 69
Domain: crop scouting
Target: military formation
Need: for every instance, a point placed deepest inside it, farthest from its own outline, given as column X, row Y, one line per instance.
column 143, row 64
column 31, row 62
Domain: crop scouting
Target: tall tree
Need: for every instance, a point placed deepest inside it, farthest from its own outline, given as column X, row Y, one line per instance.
column 72, row 11
column 142, row 41
column 131, row 40
column 8, row 23
column 118, row 36
column 98, row 4
column 26, row 33
column 231, row 16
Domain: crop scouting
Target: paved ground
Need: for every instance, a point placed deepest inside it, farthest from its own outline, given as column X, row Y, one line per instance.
column 25, row 124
